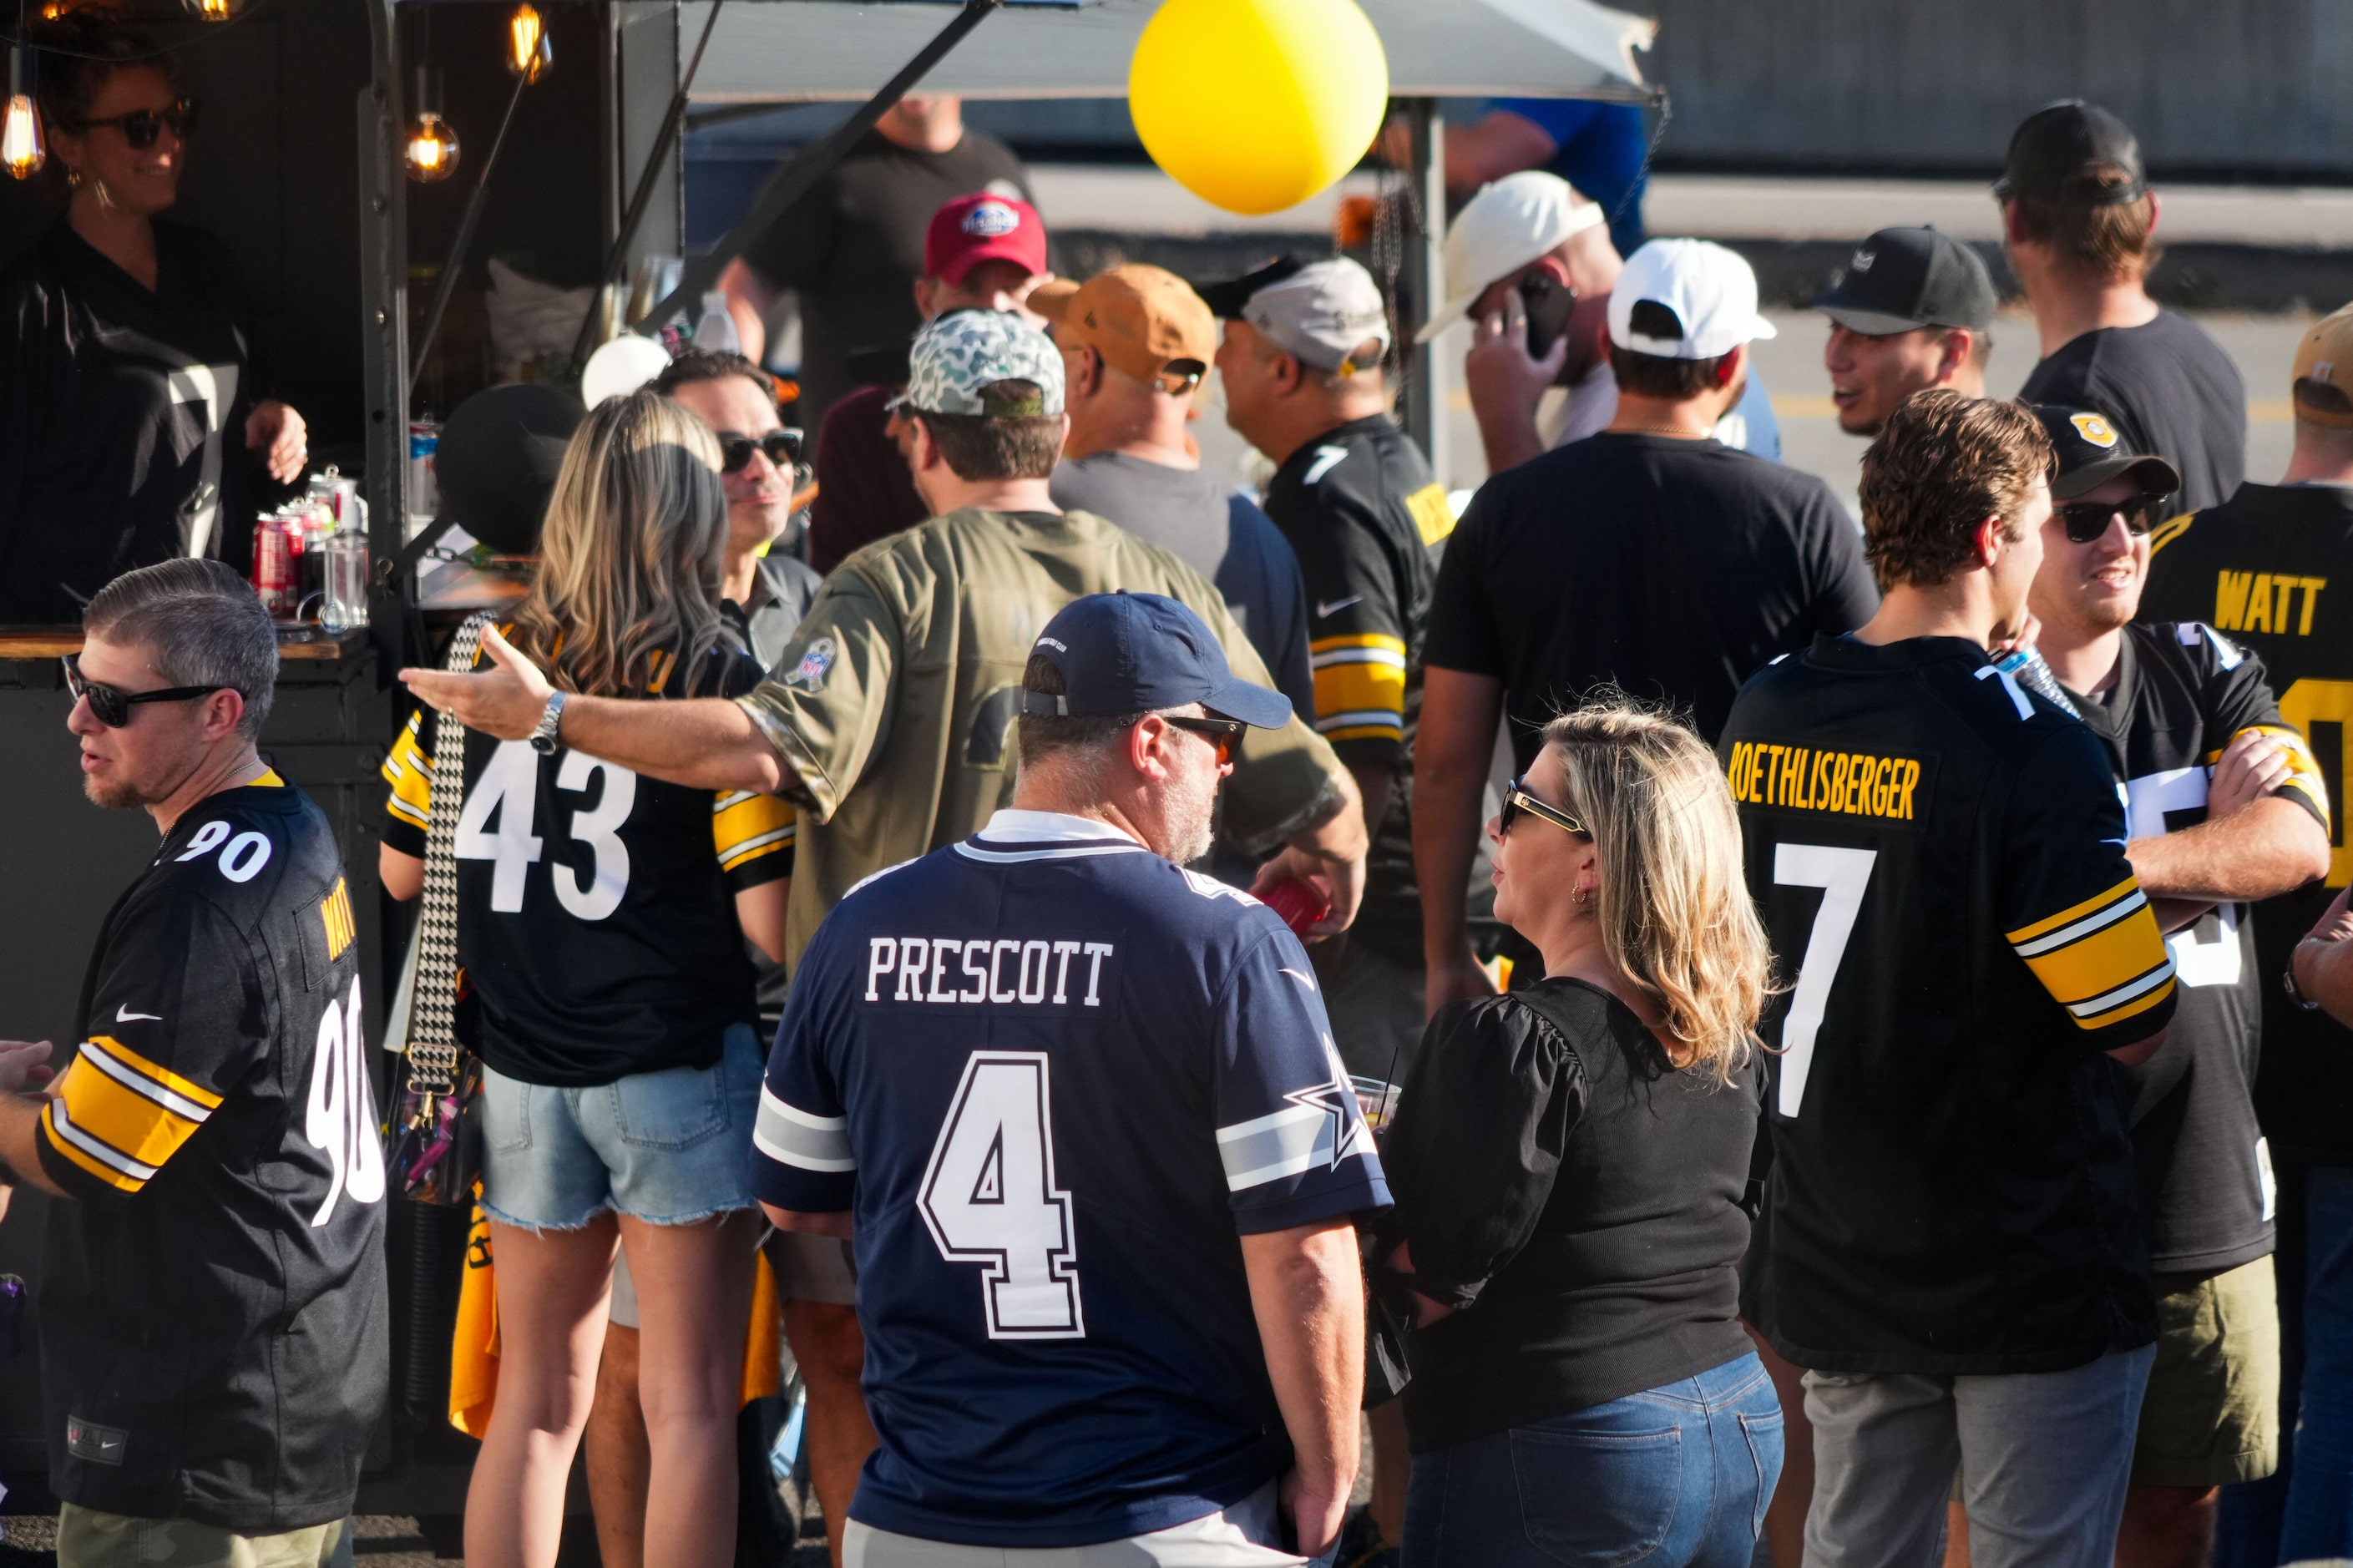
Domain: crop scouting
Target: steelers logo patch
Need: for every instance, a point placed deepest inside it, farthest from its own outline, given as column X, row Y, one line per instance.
column 2093, row 428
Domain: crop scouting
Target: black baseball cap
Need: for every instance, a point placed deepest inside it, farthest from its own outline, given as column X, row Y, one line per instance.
column 1901, row 278
column 2060, row 150
column 1138, row 653
column 2092, row 451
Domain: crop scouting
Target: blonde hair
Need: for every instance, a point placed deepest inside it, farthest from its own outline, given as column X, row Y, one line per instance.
column 1676, row 918
column 631, row 552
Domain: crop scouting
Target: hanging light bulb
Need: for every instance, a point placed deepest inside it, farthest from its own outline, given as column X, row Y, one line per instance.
column 528, row 53
column 22, row 150
column 209, row 10
column 432, row 150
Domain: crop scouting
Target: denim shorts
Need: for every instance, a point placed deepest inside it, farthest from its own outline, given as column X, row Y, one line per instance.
column 669, row 1147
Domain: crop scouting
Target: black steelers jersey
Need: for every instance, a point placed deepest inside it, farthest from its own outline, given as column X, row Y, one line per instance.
column 2268, row 569
column 2183, row 692
column 595, row 907
column 214, row 1334
column 1939, row 859
column 1368, row 521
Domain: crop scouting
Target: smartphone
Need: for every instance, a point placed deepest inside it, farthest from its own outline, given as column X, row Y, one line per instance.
column 1548, row 303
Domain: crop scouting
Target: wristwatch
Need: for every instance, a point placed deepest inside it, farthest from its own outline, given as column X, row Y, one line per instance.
column 2294, row 992
column 544, row 739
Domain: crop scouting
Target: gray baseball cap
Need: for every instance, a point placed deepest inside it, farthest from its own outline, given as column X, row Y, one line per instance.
column 958, row 356
column 1323, row 312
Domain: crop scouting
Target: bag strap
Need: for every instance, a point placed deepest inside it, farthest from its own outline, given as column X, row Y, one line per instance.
column 432, row 1019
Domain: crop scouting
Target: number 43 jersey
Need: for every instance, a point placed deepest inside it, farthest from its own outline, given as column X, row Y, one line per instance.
column 1053, row 1076
column 1939, row 856
column 214, row 1334
column 595, row 913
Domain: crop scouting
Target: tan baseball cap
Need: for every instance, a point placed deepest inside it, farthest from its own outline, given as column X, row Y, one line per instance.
column 2325, row 355
column 1145, row 322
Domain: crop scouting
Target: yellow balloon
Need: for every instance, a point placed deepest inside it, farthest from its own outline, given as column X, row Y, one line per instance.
column 1256, row 105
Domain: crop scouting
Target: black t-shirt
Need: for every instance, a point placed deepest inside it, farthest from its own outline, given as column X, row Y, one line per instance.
column 122, row 418
column 1938, row 857
column 1674, row 569
column 2182, row 693
column 214, row 1340
column 1369, row 524
column 595, row 907
column 853, row 247
column 2266, row 570
column 1549, row 1164
column 2169, row 387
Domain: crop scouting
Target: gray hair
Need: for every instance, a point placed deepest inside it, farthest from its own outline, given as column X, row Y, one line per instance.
column 200, row 623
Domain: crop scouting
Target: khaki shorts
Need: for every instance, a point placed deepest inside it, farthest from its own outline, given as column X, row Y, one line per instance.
column 88, row 1539
column 2212, row 1414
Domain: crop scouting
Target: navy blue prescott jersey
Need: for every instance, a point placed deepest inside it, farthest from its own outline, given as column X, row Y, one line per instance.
column 1055, row 1078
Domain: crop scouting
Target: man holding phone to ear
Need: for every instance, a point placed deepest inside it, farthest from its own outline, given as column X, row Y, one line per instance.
column 1529, row 261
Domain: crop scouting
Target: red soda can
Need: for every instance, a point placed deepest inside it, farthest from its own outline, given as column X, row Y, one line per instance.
column 273, row 564
column 1299, row 903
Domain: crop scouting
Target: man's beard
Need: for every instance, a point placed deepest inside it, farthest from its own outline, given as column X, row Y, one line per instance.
column 114, row 794
column 1190, row 802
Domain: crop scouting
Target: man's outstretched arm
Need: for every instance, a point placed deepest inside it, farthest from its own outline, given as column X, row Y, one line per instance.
column 702, row 743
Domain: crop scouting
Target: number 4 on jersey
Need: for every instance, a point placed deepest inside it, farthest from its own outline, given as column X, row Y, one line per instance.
column 989, row 1197
column 1841, row 874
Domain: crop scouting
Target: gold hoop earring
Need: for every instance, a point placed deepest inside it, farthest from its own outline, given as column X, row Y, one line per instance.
column 73, row 179
column 1579, row 896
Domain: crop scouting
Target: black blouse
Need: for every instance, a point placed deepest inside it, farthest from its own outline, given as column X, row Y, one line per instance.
column 122, row 418
column 1578, row 1198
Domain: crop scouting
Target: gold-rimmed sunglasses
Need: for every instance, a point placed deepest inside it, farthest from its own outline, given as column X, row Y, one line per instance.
column 1517, row 799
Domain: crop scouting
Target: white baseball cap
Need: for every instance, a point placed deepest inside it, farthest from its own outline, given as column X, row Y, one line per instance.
column 1698, row 300
column 1510, row 223
column 1323, row 312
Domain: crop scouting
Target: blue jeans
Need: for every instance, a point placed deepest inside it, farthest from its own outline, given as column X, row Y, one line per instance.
column 1677, row 1477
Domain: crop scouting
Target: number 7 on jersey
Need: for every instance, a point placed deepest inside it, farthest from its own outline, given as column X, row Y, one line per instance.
column 1841, row 874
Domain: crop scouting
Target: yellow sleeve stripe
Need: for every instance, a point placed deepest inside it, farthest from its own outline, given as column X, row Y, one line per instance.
column 2127, row 888
column 1430, row 513
column 2166, row 533
column 117, row 1114
column 2141, row 1001
column 2302, row 768
column 68, row 1139
column 160, row 1082
column 2106, row 967
column 1344, row 691
column 409, row 771
column 744, row 826
column 1333, row 730
column 1375, row 644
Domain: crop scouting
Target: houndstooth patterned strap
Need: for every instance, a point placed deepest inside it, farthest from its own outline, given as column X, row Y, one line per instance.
column 432, row 1033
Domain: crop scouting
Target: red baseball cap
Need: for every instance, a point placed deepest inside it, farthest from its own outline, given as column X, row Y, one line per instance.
column 983, row 226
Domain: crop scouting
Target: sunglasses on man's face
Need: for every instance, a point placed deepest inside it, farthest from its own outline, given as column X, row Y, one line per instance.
column 111, row 707
column 1225, row 734
column 141, row 126
column 2085, row 520
column 782, row 447
column 1517, row 799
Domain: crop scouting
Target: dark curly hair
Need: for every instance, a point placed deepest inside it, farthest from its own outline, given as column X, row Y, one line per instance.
column 1943, row 465
column 77, row 51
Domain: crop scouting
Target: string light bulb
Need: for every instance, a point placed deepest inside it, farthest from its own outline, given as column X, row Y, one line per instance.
column 209, row 10
column 22, row 150
column 432, row 150
column 528, row 52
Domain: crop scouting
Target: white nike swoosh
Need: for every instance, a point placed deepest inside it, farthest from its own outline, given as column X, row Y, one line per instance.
column 1337, row 606
column 123, row 1014
column 1306, row 980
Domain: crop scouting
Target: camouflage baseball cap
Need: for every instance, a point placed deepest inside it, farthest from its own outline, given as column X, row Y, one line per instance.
column 959, row 355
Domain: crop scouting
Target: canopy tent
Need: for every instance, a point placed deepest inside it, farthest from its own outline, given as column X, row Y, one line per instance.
column 797, row 49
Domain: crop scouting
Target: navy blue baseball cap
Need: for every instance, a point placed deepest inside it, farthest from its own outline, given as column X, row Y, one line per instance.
column 1139, row 653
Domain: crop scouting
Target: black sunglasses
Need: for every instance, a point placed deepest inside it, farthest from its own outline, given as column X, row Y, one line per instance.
column 1517, row 799
column 783, row 448
column 2085, row 520
column 141, row 126
column 112, row 708
column 1226, row 734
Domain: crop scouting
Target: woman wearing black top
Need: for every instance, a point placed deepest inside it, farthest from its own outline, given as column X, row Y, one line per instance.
column 1570, row 1162
column 129, row 391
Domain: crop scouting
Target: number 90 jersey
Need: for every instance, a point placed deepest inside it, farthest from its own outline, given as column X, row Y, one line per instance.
column 1053, row 1076
column 596, row 914
column 214, row 1334
column 1939, row 856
